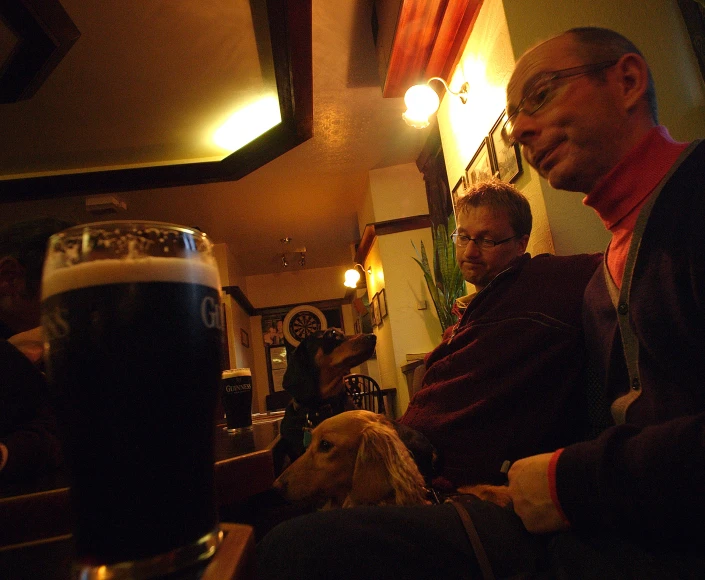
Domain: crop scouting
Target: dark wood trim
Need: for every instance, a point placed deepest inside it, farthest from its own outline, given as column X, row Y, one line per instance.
column 239, row 296
column 290, row 32
column 284, row 308
column 429, row 39
column 45, row 34
column 388, row 227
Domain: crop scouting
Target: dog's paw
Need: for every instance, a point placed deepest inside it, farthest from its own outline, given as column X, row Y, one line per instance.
column 497, row 494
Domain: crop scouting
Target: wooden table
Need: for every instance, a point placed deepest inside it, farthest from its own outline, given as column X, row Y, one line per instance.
column 244, row 462
column 36, row 523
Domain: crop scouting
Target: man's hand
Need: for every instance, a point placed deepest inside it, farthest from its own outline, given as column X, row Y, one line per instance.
column 30, row 343
column 531, row 496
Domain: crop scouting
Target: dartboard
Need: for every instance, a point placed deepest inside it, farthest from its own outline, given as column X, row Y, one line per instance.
column 302, row 321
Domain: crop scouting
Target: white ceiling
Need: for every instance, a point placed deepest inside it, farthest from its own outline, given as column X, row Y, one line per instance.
column 311, row 193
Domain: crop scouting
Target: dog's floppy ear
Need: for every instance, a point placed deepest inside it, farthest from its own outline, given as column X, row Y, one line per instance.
column 301, row 375
column 385, row 472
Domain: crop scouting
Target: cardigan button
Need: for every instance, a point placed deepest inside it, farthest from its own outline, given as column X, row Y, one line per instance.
column 635, row 383
column 623, row 308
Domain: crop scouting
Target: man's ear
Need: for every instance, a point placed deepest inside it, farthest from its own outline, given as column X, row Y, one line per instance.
column 12, row 276
column 634, row 79
column 523, row 241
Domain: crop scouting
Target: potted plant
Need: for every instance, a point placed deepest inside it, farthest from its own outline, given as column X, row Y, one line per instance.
column 448, row 284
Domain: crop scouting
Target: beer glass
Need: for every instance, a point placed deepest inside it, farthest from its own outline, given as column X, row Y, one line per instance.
column 236, row 394
column 131, row 320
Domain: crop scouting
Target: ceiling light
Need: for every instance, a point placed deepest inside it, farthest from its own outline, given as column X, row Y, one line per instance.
column 422, row 101
column 352, row 276
column 248, row 123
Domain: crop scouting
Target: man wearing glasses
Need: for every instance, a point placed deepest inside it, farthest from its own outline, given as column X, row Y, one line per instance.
column 503, row 382
column 628, row 503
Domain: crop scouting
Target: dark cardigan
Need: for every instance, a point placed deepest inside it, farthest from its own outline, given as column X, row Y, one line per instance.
column 645, row 477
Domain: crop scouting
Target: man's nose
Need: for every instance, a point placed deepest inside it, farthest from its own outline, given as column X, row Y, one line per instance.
column 523, row 128
column 472, row 249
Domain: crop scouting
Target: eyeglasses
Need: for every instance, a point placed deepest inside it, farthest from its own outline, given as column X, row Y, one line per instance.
column 543, row 88
column 461, row 240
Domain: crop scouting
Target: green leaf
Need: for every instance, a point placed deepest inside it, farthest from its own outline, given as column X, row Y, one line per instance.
column 450, row 284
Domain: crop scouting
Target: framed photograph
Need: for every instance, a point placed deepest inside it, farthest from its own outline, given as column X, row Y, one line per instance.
column 273, row 329
column 244, row 338
column 458, row 191
column 382, row 303
column 507, row 158
column 480, row 167
column 376, row 318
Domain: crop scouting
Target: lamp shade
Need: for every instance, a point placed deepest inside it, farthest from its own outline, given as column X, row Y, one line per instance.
column 421, row 102
column 352, row 277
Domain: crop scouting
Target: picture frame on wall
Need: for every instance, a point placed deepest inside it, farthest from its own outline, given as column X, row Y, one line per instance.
column 458, row 191
column 480, row 166
column 376, row 318
column 244, row 338
column 507, row 158
column 382, row 303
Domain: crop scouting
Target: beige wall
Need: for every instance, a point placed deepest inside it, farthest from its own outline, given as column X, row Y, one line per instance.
column 412, row 330
column 399, row 191
column 296, row 287
column 486, row 64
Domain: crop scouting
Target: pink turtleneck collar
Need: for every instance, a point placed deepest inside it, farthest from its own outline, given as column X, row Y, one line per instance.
column 618, row 197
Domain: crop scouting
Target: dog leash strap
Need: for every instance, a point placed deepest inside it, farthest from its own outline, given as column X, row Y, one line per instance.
column 482, row 559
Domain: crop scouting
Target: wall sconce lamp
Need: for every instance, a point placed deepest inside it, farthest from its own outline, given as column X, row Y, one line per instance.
column 285, row 262
column 352, row 276
column 422, row 101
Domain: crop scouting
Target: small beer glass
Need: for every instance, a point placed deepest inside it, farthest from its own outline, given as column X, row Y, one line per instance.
column 236, row 395
column 131, row 319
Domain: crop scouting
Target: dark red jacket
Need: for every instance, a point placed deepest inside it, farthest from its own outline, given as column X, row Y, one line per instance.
column 506, row 383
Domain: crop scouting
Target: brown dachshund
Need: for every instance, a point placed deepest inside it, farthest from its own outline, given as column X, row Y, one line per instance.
column 354, row 458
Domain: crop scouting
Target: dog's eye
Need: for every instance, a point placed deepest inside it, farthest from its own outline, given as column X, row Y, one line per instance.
column 325, row 445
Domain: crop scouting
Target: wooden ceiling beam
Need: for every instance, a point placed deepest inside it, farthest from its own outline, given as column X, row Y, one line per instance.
column 428, row 41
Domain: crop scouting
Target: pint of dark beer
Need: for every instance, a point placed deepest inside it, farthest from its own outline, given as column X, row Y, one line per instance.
column 236, row 394
column 131, row 318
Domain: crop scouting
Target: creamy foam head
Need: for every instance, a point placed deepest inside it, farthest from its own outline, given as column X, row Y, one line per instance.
column 243, row 372
column 102, row 272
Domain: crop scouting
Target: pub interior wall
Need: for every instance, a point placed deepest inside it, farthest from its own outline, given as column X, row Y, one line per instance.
column 294, row 287
column 486, row 64
column 410, row 330
column 397, row 192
